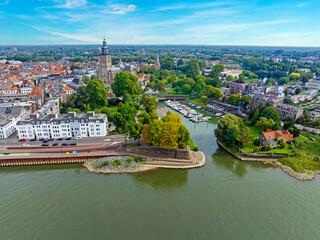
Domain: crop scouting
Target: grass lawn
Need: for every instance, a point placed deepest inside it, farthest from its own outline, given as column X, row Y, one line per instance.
column 192, row 145
column 198, row 101
column 286, row 150
column 308, row 154
column 256, row 132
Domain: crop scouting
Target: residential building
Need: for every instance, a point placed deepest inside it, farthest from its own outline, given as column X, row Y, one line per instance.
column 237, row 88
column 314, row 115
column 314, row 83
column 87, row 124
column 271, row 138
column 7, row 126
column 290, row 111
column 69, row 90
column 233, row 73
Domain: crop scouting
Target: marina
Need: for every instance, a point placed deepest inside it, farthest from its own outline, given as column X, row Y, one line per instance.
column 188, row 112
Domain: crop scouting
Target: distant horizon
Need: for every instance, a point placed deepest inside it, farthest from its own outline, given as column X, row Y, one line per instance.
column 133, row 44
column 268, row 23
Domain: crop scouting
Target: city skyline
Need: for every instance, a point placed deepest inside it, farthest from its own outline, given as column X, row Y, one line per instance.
column 259, row 23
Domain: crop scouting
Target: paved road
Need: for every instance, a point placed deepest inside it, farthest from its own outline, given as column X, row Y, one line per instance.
column 4, row 143
column 317, row 131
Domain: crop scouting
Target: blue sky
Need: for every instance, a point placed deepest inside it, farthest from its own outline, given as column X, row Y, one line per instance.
column 229, row 22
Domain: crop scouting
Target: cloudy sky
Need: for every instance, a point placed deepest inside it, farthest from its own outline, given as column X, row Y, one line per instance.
column 234, row 22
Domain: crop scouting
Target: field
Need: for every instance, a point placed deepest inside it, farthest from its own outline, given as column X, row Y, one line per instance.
column 308, row 154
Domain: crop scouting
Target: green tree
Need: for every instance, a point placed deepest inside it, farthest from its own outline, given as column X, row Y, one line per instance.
column 126, row 85
column 149, row 103
column 256, row 116
column 186, row 89
column 265, row 124
column 286, row 91
column 135, row 131
column 288, row 101
column 97, row 92
column 156, row 129
column 120, row 122
column 167, row 63
column 271, row 113
column 283, row 81
column 216, row 79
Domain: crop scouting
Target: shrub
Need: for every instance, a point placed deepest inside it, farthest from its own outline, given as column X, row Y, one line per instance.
column 256, row 142
column 196, row 149
column 116, row 163
column 257, row 149
column 106, row 163
column 138, row 159
column 316, row 159
column 99, row 166
column 128, row 159
column 268, row 148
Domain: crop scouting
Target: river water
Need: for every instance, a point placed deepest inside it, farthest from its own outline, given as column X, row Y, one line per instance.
column 225, row 199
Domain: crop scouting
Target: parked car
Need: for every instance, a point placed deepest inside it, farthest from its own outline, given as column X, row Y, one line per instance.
column 33, row 139
column 68, row 138
column 41, row 139
column 45, row 141
column 73, row 144
column 312, row 139
column 78, row 138
column 50, row 139
column 22, row 140
column 45, row 145
column 304, row 129
column 25, row 145
column 55, row 144
column 64, row 144
column 60, row 139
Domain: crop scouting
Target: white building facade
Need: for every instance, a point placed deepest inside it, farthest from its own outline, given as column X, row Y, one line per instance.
column 7, row 126
column 59, row 126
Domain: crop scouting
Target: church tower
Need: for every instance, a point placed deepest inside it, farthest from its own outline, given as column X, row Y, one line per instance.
column 105, row 64
column 157, row 64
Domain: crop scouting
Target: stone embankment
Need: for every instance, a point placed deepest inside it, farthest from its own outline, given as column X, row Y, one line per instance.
column 300, row 176
column 197, row 159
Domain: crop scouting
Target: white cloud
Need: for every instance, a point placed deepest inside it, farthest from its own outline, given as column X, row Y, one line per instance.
column 84, row 38
column 120, row 9
column 70, row 4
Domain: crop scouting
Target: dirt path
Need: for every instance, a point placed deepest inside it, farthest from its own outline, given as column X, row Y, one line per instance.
column 137, row 117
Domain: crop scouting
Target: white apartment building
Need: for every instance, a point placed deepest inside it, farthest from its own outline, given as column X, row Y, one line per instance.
column 87, row 124
column 26, row 90
column 7, row 126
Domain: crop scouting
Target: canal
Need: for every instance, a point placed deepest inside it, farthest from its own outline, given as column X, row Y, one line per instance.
column 226, row 199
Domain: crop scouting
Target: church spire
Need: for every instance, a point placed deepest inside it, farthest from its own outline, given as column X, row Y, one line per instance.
column 105, row 50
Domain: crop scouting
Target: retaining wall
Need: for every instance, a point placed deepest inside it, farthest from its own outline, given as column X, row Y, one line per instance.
column 160, row 152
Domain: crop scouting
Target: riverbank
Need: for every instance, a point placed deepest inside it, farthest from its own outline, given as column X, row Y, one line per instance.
column 307, row 176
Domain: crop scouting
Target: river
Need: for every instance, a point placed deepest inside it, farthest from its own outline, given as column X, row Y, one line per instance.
column 225, row 199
